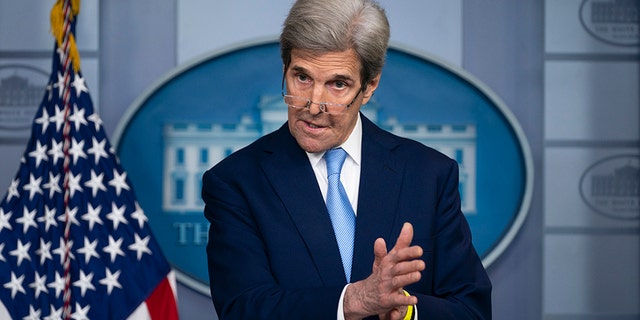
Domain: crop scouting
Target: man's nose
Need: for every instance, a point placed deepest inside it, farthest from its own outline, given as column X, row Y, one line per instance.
column 316, row 99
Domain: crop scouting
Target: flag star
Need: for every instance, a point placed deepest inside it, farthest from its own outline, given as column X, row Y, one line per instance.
column 140, row 246
column 79, row 84
column 15, row 285
column 84, row 283
column 95, row 183
column 44, row 252
column 117, row 215
column 49, row 218
column 56, row 151
column 13, row 189
column 78, row 117
column 81, row 313
column 38, row 284
column 53, row 184
column 97, row 121
column 33, row 313
column 74, row 183
column 57, row 284
column 44, row 118
column 69, row 214
column 77, row 150
column 89, row 250
column 33, row 186
column 21, row 252
column 58, row 118
column 139, row 215
column 97, row 149
column 5, row 217
column 92, row 216
column 110, row 280
column 61, row 251
column 113, row 249
column 27, row 219
column 119, row 181
column 55, row 314
column 60, row 84
column 39, row 154
column 2, row 258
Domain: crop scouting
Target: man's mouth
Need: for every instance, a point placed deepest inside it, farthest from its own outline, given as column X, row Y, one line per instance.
column 313, row 126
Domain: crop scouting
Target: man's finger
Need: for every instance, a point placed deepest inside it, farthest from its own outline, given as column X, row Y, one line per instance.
column 379, row 251
column 403, row 280
column 409, row 267
column 405, row 237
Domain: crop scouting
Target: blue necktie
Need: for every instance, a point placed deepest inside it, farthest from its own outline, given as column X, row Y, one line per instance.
column 341, row 213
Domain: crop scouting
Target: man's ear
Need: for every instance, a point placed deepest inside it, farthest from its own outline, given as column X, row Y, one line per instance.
column 372, row 85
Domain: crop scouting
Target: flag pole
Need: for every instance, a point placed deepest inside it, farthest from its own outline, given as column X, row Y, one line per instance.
column 69, row 58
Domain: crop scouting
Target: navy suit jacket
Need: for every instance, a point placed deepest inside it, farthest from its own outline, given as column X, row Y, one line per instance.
column 272, row 253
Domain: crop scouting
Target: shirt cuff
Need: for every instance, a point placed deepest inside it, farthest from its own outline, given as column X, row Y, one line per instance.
column 340, row 314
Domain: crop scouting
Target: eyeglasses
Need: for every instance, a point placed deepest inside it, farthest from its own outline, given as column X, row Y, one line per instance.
column 298, row 102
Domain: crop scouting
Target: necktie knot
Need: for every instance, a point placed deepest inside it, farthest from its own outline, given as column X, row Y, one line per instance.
column 334, row 158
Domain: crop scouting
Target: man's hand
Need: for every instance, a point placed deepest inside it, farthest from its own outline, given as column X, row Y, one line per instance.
column 381, row 293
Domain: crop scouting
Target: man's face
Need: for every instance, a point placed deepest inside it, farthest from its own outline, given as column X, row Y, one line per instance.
column 328, row 77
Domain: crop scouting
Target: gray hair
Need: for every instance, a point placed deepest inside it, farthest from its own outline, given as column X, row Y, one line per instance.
column 338, row 25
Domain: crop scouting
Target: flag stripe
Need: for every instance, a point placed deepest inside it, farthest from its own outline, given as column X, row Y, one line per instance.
column 4, row 313
column 154, row 310
column 162, row 302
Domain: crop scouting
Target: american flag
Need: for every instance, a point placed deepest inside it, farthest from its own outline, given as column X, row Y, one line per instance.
column 74, row 241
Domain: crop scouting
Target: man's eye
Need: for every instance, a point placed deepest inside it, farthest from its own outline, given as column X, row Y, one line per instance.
column 302, row 78
column 340, row 84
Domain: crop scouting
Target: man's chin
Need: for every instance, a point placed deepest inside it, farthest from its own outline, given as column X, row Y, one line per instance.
column 312, row 145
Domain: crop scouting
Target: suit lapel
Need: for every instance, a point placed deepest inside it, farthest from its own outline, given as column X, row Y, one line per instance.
column 376, row 205
column 299, row 192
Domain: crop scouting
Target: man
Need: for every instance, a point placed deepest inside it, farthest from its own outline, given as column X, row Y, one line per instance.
column 278, row 248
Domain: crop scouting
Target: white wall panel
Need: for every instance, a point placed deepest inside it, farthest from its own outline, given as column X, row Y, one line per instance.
column 593, row 274
column 570, row 28
column 586, row 100
column 564, row 206
column 591, row 243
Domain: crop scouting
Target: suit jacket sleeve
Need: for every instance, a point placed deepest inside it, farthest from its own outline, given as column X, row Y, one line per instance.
column 459, row 285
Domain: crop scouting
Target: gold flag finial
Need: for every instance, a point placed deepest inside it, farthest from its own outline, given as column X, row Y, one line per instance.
column 59, row 25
